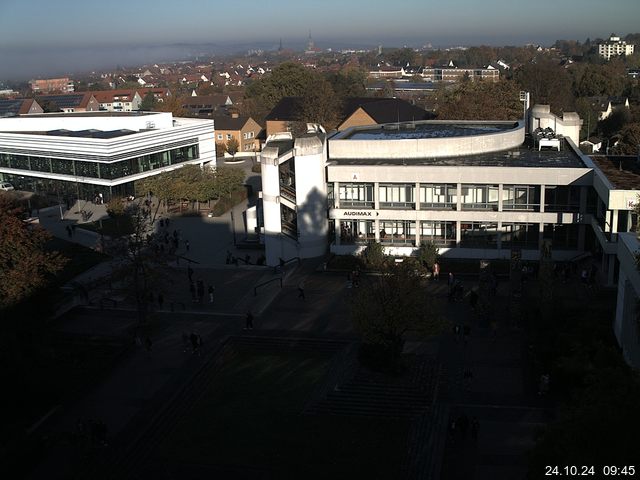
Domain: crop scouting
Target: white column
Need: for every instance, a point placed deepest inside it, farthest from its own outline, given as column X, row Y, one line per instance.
column 542, row 198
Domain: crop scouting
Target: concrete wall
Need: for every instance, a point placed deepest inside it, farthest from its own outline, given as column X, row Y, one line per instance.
column 90, row 120
column 626, row 326
column 568, row 125
column 342, row 147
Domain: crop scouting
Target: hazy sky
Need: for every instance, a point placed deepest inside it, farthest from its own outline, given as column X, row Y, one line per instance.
column 71, row 34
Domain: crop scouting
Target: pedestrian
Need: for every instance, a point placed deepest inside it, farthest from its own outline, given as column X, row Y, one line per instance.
column 161, row 223
column 166, row 222
column 199, row 344
column 247, row 259
column 229, row 257
column 160, row 299
column 249, row 321
column 475, row 426
column 69, row 231
column 187, row 245
column 200, row 291
column 101, row 197
column 456, row 332
column 190, row 272
column 436, row 271
column 73, row 228
column 301, row 290
column 211, row 290
column 450, row 281
column 148, row 343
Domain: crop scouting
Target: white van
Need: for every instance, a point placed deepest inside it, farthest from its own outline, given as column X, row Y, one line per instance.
column 6, row 186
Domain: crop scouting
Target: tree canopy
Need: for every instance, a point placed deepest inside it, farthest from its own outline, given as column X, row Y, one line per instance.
column 24, row 263
column 482, row 101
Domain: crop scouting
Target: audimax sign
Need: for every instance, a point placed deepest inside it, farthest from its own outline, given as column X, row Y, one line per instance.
column 359, row 213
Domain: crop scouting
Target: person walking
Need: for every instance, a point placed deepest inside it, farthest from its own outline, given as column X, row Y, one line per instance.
column 436, row 271
column 301, row 290
column 200, row 291
column 190, row 273
column 248, row 321
column 211, row 290
column 187, row 245
column 69, row 231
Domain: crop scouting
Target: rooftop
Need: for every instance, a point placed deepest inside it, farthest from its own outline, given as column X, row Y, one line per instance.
column 428, row 130
column 524, row 156
column 622, row 172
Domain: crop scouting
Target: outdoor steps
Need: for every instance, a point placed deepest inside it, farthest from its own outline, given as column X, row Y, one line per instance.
column 426, row 442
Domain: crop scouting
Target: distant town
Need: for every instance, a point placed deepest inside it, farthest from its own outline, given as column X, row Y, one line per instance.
column 388, row 262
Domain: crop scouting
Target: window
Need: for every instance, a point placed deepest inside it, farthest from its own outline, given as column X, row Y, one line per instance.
column 478, row 235
column 521, row 197
column 358, row 195
column 480, row 197
column 519, row 235
column 357, row 231
column 244, row 135
column 219, row 136
column 563, row 198
column 439, row 233
column 396, row 196
column 438, row 196
column 398, row 233
column 229, row 136
column 289, row 221
column 563, row 237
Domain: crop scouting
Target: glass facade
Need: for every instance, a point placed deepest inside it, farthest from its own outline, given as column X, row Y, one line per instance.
column 480, row 197
column 479, row 235
column 396, row 195
column 359, row 195
column 357, row 231
column 439, row 233
column 521, row 197
column 439, row 196
column 398, row 232
column 520, row 235
column 562, row 199
column 102, row 170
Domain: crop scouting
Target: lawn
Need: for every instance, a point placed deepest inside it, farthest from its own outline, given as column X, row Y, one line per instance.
column 250, row 418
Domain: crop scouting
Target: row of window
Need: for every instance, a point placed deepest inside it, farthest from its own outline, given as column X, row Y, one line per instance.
column 445, row 196
column 107, row 171
column 472, row 234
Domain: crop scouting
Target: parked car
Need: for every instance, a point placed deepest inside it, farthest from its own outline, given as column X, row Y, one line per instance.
column 6, row 186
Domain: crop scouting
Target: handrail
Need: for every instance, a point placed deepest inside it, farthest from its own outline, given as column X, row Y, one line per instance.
column 255, row 289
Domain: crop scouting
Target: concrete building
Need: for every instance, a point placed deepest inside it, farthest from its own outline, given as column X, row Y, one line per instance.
column 77, row 155
column 52, row 85
column 615, row 47
column 477, row 190
column 244, row 129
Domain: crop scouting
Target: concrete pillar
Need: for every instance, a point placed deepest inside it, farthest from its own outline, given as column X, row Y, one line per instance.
column 583, row 200
column 541, row 236
column 499, row 239
column 542, row 198
column 458, row 227
column 500, row 190
column 416, row 197
column 336, row 194
column 376, row 229
column 459, row 202
column 336, row 231
column 614, row 221
column 376, row 196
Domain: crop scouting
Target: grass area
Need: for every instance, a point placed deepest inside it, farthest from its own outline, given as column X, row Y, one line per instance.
column 250, row 417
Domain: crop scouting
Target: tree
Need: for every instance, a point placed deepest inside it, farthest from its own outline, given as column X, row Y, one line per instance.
column 481, row 101
column 320, row 104
column 232, row 146
column 388, row 306
column 373, row 255
column 629, row 140
column 25, row 265
column 173, row 104
column 427, row 254
column 288, row 79
column 149, row 102
column 548, row 83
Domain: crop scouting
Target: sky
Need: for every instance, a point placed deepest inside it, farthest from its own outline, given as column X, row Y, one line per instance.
column 42, row 36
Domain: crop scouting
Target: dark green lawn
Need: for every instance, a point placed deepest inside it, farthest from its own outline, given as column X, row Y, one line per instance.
column 250, row 417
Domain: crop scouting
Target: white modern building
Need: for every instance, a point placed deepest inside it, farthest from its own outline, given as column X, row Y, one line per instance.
column 477, row 190
column 82, row 154
column 615, row 47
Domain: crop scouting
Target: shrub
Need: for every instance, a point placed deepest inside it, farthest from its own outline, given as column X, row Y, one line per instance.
column 225, row 204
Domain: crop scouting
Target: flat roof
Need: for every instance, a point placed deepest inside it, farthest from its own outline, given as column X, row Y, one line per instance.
column 90, row 133
column 622, row 171
column 100, row 113
column 524, row 156
column 417, row 130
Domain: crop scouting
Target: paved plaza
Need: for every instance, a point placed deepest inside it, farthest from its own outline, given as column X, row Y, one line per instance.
column 499, row 394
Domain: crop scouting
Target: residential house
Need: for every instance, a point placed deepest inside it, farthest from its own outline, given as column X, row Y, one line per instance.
column 70, row 103
column 364, row 111
column 19, row 106
column 207, row 105
column 615, row 47
column 244, row 129
column 118, row 100
column 160, row 94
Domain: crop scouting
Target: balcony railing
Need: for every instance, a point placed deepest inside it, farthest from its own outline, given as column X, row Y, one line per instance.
column 288, row 193
column 356, row 204
column 438, row 206
column 398, row 205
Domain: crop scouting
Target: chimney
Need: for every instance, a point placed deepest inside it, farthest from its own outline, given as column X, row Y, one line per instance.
column 234, row 114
